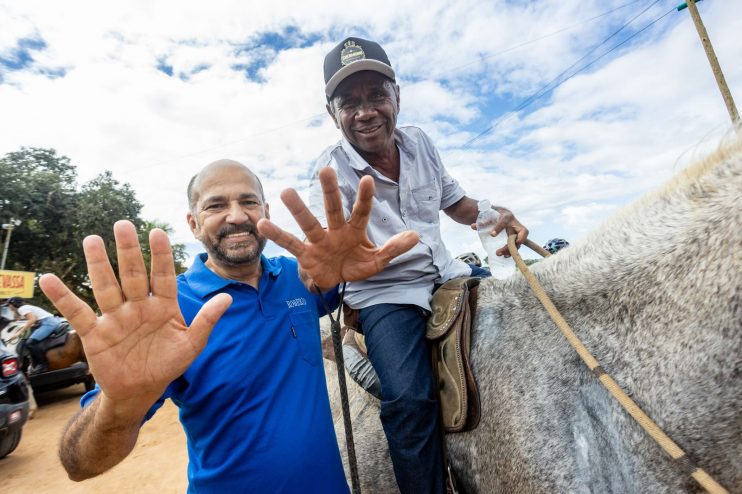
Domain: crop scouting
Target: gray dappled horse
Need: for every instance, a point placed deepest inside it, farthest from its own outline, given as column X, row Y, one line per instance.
column 654, row 294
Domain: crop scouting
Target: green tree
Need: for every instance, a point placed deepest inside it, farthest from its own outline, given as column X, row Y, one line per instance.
column 179, row 250
column 38, row 187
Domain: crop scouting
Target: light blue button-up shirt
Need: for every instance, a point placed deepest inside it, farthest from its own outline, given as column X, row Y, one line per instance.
column 424, row 188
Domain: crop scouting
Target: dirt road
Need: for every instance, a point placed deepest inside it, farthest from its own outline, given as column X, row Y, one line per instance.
column 157, row 464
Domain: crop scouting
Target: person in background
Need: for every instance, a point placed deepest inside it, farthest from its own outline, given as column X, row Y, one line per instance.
column 44, row 324
column 555, row 245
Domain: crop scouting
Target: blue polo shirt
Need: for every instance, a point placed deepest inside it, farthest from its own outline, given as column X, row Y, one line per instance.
column 254, row 403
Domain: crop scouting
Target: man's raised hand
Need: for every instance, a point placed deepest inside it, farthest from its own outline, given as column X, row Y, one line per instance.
column 139, row 343
column 342, row 252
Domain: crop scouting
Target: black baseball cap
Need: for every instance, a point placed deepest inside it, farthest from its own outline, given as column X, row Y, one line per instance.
column 354, row 55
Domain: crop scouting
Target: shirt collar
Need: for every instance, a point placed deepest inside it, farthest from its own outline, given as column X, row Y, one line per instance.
column 203, row 281
column 357, row 161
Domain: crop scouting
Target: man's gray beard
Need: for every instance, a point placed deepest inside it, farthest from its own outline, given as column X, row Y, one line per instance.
column 223, row 257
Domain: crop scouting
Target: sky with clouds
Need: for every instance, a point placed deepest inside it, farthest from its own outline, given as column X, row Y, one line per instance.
column 153, row 91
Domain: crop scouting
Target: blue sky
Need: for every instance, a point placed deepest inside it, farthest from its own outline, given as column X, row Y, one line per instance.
column 155, row 90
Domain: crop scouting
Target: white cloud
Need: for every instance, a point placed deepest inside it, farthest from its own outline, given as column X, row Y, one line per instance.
column 600, row 139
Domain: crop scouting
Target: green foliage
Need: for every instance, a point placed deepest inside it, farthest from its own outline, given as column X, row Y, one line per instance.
column 179, row 250
column 38, row 187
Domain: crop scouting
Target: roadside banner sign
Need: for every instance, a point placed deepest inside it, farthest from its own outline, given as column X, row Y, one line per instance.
column 16, row 284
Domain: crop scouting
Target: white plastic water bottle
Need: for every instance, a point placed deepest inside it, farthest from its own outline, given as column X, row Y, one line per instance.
column 501, row 267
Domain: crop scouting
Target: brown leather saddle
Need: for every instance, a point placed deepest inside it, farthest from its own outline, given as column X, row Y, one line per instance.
column 449, row 331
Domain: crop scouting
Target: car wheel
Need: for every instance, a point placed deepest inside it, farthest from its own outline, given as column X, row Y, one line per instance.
column 90, row 384
column 9, row 443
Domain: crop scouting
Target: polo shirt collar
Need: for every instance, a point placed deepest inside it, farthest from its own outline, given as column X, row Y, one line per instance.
column 203, row 281
column 357, row 161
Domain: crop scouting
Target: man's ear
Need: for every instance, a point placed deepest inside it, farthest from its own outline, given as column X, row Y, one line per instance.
column 193, row 223
column 331, row 111
column 267, row 211
column 396, row 87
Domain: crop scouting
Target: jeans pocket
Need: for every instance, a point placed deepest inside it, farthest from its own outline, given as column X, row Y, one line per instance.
column 305, row 329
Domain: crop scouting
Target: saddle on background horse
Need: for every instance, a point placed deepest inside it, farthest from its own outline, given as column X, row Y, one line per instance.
column 56, row 338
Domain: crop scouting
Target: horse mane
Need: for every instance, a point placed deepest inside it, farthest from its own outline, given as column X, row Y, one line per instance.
column 653, row 226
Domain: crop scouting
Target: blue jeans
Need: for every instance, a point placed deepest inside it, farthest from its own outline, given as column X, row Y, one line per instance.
column 479, row 272
column 45, row 328
column 395, row 338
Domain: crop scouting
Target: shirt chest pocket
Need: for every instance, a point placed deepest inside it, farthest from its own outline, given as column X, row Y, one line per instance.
column 427, row 201
column 306, row 334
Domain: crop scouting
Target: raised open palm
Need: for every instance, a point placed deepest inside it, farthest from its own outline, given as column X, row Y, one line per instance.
column 342, row 252
column 139, row 343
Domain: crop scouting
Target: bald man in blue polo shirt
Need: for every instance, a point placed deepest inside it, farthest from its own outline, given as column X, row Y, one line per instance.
column 234, row 341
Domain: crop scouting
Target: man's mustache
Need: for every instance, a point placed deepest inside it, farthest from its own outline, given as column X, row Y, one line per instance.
column 232, row 229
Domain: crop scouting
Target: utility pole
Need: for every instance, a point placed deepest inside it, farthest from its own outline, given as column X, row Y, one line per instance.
column 718, row 74
column 9, row 227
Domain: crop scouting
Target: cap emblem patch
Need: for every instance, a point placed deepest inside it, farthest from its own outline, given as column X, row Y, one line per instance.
column 351, row 53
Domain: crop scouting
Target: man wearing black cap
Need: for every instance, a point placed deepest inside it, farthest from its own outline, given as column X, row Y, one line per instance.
column 412, row 186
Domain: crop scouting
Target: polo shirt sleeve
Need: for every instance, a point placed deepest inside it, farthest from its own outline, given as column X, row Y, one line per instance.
column 90, row 396
column 332, row 299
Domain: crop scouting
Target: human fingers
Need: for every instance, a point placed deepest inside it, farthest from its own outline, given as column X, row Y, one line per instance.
column 80, row 316
column 395, row 246
column 503, row 251
column 333, row 201
column 364, row 202
column 162, row 267
column 521, row 233
column 132, row 272
column 502, row 223
column 281, row 237
column 106, row 288
column 205, row 320
column 303, row 216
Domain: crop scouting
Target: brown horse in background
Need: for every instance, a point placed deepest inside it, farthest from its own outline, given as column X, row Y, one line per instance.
column 59, row 356
column 63, row 356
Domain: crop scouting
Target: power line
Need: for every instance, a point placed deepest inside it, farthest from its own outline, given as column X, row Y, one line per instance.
column 547, row 89
column 534, row 40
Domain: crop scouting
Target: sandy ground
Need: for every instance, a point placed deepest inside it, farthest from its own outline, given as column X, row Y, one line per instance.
column 157, row 464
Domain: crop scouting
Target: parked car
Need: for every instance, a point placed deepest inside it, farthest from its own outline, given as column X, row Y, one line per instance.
column 13, row 401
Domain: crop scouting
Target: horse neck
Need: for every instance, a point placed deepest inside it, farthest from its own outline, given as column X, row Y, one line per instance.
column 675, row 234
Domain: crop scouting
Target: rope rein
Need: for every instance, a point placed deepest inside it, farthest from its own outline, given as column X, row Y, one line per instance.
column 337, row 347
column 677, row 454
